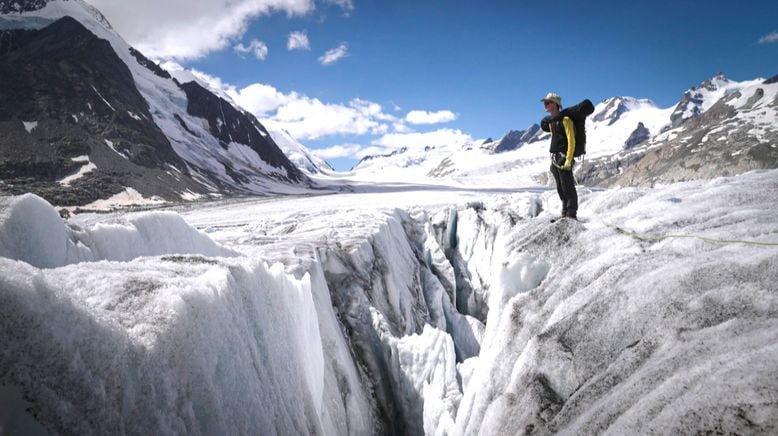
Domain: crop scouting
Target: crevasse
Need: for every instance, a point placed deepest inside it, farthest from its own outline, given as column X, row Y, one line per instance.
column 135, row 325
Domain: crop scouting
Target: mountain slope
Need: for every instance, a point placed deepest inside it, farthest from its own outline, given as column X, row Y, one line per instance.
column 56, row 84
column 734, row 134
column 298, row 153
column 139, row 129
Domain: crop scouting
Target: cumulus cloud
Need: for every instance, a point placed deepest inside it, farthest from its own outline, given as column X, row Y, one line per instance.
column 184, row 29
column 417, row 140
column 425, row 117
column 303, row 116
column 298, row 41
column 310, row 118
column 769, row 38
column 336, row 151
column 257, row 47
column 260, row 99
column 334, row 55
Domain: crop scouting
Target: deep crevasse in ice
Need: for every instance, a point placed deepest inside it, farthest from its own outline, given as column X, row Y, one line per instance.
column 136, row 313
column 374, row 322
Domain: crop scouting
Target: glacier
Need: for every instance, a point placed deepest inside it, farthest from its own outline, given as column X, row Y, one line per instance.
column 397, row 310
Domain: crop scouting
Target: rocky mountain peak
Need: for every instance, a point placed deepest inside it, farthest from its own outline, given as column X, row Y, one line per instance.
column 716, row 82
column 612, row 109
column 693, row 100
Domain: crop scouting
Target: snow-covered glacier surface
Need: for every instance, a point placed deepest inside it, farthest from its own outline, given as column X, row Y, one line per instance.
column 409, row 311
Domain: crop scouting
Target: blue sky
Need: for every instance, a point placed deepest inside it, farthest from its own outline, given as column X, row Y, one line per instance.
column 486, row 64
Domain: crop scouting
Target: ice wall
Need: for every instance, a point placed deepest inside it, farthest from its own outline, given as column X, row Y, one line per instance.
column 186, row 346
column 165, row 344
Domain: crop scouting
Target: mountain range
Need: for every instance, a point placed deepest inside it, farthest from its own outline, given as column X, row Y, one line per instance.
column 720, row 127
column 85, row 117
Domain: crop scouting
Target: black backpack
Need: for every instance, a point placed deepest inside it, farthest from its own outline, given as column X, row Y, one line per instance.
column 578, row 114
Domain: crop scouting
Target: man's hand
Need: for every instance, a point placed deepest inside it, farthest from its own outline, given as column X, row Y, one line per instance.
column 568, row 165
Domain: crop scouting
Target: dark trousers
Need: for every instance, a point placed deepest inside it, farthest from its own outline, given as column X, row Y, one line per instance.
column 565, row 187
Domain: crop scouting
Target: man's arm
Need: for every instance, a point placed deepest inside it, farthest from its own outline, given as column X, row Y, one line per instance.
column 570, row 132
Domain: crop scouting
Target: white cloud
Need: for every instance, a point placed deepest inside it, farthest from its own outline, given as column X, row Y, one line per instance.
column 310, row 118
column 334, row 55
column 416, row 140
column 425, row 117
column 304, row 117
column 336, row 151
column 185, row 29
column 257, row 47
column 769, row 38
column 354, row 151
column 400, row 127
column 298, row 41
column 260, row 99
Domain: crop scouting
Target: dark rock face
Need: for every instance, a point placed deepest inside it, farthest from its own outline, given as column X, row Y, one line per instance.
column 230, row 125
column 16, row 6
column 615, row 108
column 80, row 97
column 690, row 100
column 510, row 141
column 754, row 99
column 771, row 80
column 637, row 136
column 515, row 139
column 152, row 66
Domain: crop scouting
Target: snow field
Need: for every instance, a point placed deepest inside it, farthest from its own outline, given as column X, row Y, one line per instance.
column 622, row 336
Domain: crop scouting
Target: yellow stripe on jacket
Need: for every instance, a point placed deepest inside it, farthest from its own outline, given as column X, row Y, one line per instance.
column 570, row 132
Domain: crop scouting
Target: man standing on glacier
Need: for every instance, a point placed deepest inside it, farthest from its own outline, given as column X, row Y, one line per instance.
column 562, row 150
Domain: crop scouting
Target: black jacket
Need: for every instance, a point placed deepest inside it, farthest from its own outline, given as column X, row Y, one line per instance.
column 562, row 136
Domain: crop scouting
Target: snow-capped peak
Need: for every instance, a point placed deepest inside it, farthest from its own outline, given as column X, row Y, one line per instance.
column 699, row 99
column 612, row 109
column 718, row 81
